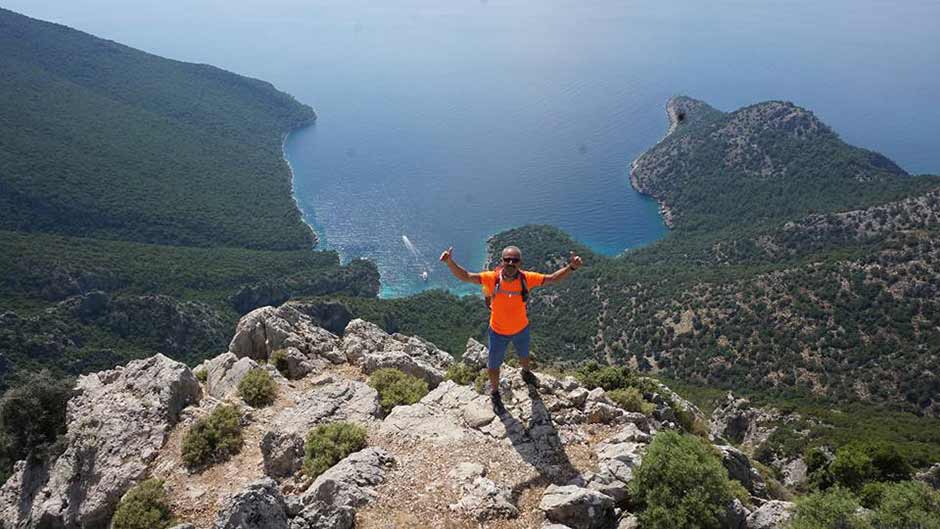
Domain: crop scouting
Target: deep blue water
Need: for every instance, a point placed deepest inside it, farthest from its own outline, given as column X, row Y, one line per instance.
column 448, row 121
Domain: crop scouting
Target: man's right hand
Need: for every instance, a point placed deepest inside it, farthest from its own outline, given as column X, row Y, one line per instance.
column 445, row 256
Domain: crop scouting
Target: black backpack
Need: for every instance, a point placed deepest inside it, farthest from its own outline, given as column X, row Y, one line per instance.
column 488, row 300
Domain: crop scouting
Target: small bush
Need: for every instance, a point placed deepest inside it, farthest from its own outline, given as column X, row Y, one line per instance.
column 397, row 388
column 32, row 418
column 479, row 384
column 278, row 359
column 609, row 378
column 834, row 508
column 202, row 375
column 680, row 483
column 327, row 444
column 907, row 505
column 143, row 507
column 631, row 399
column 257, row 388
column 461, row 373
column 213, row 438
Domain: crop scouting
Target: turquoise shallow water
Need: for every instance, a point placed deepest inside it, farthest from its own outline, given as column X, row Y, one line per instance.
column 445, row 122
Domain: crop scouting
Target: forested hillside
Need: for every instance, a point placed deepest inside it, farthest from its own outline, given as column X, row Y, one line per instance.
column 144, row 203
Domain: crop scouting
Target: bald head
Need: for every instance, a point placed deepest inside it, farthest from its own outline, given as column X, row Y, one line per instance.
column 512, row 251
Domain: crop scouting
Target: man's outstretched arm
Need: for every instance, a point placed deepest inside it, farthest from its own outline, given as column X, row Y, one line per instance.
column 457, row 270
column 574, row 262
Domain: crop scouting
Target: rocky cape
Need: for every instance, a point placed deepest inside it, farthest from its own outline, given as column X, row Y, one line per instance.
column 562, row 457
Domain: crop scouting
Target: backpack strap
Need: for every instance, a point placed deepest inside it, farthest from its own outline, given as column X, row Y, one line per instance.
column 499, row 274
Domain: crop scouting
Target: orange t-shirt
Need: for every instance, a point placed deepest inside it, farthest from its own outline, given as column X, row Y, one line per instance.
column 507, row 311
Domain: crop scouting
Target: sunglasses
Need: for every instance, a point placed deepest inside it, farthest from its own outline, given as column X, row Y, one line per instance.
column 511, row 259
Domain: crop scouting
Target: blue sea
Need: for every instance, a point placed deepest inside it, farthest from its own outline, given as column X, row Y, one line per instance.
column 441, row 123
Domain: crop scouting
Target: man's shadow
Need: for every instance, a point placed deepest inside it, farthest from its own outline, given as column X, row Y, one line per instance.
column 539, row 444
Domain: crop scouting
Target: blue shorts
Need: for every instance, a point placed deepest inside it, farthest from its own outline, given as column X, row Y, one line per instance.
column 500, row 342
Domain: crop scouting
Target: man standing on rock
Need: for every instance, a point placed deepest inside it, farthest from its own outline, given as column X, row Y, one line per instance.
column 509, row 286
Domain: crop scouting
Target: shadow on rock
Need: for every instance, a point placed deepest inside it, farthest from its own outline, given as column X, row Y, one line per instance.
column 539, row 444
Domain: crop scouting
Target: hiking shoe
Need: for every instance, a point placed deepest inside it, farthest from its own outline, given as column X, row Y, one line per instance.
column 498, row 407
column 529, row 377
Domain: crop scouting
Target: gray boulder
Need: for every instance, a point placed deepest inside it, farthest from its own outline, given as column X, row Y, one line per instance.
column 265, row 330
column 739, row 467
column 774, row 514
column 116, row 424
column 736, row 516
column 319, row 515
column 19, row 491
column 260, row 505
column 483, row 499
column 368, row 346
column 282, row 448
column 352, row 481
column 476, row 354
column 617, row 458
column 577, row 507
column 224, row 372
column 931, row 476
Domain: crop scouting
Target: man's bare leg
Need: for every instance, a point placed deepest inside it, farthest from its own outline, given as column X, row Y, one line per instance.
column 494, row 380
column 527, row 376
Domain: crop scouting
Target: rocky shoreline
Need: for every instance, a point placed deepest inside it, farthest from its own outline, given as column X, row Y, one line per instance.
column 676, row 116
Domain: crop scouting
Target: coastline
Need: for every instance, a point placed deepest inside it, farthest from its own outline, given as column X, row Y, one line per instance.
column 664, row 210
column 290, row 170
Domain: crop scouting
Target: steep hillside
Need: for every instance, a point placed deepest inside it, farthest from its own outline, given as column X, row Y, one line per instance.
column 144, row 203
column 761, row 163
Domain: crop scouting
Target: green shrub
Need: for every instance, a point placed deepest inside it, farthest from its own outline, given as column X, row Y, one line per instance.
column 479, row 383
column 680, row 484
column 592, row 375
column 143, row 507
column 858, row 463
column 907, row 505
column 202, row 375
column 257, row 388
column 327, row 444
column 872, row 493
column 631, row 399
column 278, row 359
column 397, row 388
column 835, row 508
column 32, row 418
column 213, row 438
column 461, row 373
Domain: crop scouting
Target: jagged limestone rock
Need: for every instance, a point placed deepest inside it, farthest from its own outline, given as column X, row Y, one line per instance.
column 18, row 493
column 224, row 372
column 263, row 331
column 737, row 421
column 368, row 346
column 116, row 423
column 260, row 505
column 334, row 400
column 475, row 355
column 931, row 476
column 577, row 507
column 319, row 515
column 774, row 514
column 736, row 515
column 616, row 459
column 483, row 499
column 739, row 467
column 352, row 481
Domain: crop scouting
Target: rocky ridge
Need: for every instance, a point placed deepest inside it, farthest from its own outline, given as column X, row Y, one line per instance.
column 562, row 456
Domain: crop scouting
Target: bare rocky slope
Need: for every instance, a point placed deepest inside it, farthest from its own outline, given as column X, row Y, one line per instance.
column 562, row 456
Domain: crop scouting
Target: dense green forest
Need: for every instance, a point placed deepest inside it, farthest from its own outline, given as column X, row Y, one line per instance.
column 144, row 204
